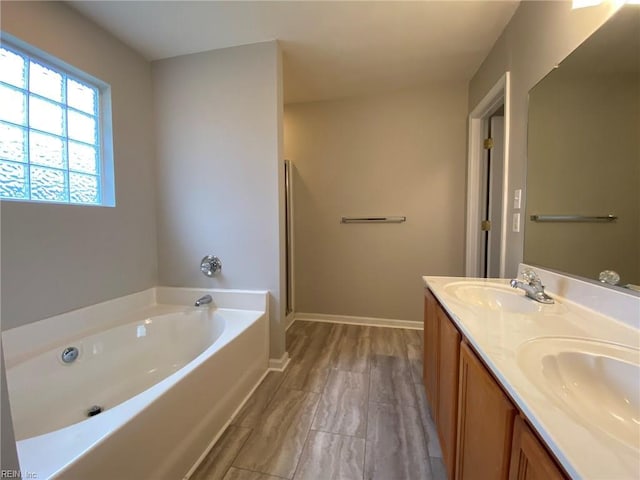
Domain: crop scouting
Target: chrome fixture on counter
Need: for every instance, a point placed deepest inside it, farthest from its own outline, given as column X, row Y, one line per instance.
column 203, row 300
column 610, row 277
column 210, row 265
column 532, row 286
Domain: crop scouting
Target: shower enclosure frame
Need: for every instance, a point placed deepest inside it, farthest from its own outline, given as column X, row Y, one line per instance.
column 288, row 225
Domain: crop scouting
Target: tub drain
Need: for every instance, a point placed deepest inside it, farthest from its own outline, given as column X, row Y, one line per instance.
column 93, row 411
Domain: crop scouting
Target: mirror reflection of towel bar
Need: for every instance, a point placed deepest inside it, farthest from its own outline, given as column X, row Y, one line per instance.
column 373, row 219
column 573, row 218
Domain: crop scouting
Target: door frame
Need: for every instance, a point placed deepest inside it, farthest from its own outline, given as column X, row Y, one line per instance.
column 498, row 94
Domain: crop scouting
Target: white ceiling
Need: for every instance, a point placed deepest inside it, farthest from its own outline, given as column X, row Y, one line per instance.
column 331, row 49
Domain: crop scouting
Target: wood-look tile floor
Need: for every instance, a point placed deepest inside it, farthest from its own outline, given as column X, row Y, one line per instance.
column 350, row 405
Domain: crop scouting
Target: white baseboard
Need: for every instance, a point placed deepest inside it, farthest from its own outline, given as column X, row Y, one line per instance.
column 369, row 321
column 289, row 319
column 279, row 364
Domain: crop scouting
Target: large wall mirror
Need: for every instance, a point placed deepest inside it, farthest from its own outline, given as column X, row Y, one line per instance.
column 583, row 160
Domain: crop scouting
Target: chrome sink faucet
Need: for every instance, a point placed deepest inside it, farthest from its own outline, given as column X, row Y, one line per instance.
column 532, row 286
column 203, row 300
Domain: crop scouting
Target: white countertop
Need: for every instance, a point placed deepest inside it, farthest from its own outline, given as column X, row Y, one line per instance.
column 584, row 449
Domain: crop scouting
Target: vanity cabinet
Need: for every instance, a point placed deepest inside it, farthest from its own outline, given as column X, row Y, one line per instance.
column 485, row 422
column 529, row 458
column 481, row 434
column 449, row 348
column 430, row 364
column 441, row 357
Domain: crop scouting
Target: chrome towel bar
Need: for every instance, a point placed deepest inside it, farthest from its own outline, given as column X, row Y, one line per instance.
column 573, row 218
column 373, row 219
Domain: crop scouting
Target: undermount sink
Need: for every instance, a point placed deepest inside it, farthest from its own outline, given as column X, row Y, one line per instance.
column 495, row 297
column 598, row 382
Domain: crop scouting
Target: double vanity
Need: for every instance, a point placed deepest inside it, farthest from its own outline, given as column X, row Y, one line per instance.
column 521, row 389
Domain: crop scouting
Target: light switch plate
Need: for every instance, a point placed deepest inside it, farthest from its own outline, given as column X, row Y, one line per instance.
column 517, row 199
column 516, row 222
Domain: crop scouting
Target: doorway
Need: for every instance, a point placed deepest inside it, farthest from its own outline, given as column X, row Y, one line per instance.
column 487, row 180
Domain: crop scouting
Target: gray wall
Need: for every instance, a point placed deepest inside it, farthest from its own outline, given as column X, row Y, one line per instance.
column 400, row 153
column 220, row 171
column 101, row 253
column 537, row 38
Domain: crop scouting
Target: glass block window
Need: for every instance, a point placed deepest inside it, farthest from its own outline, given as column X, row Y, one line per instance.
column 50, row 133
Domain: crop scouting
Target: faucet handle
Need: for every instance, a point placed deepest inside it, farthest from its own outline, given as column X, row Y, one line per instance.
column 210, row 265
column 531, row 277
column 609, row 277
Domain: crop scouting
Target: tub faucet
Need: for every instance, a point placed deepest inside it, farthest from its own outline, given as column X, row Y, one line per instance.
column 532, row 286
column 203, row 300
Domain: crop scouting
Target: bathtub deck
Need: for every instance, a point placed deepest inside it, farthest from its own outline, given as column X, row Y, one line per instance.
column 351, row 405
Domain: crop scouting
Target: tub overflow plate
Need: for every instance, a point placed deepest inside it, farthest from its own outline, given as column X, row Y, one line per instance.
column 70, row 354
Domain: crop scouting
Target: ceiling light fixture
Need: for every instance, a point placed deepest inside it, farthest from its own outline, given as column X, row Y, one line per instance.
column 593, row 3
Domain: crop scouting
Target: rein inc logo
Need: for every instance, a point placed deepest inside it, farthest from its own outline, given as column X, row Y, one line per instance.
column 17, row 474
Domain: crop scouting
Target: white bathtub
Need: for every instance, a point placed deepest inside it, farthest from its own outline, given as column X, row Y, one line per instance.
column 168, row 376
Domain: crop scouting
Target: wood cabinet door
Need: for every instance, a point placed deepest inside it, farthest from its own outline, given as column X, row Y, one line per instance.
column 485, row 423
column 448, row 363
column 529, row 459
column 430, row 365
